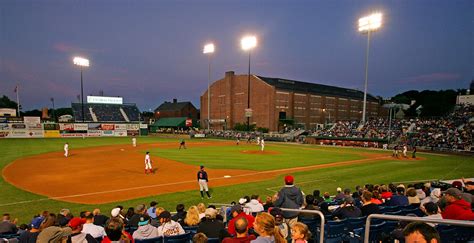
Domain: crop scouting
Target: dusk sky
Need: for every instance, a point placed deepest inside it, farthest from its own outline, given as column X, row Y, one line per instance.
column 151, row 51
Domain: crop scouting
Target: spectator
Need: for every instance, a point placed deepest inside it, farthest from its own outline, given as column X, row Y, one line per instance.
column 64, row 216
column 99, row 219
column 152, row 210
column 31, row 235
column 277, row 214
column 117, row 213
column 457, row 207
column 434, row 197
column 77, row 236
column 199, row 238
column 398, row 200
column 268, row 203
column 50, row 220
column 128, row 215
column 90, row 228
column 289, row 197
column 420, row 232
column 339, row 194
column 432, row 211
column 237, row 212
column 140, row 210
column 347, row 209
column 327, row 197
column 368, row 206
column 212, row 227
column 54, row 234
column 266, row 228
column 192, row 217
column 384, row 192
column 115, row 231
column 241, row 229
column 254, row 205
column 309, row 206
column 145, row 230
column 202, row 209
column 8, row 226
column 300, row 233
column 180, row 214
column 167, row 226
column 412, row 196
column 317, row 197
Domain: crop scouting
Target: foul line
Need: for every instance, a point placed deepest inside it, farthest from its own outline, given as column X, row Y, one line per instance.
column 193, row 181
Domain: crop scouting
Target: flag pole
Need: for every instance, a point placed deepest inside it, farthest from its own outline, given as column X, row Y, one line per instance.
column 17, row 100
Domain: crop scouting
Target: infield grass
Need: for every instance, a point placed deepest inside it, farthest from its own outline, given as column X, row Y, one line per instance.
column 23, row 205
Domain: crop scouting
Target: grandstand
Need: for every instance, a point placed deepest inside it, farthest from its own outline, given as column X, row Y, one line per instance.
column 106, row 109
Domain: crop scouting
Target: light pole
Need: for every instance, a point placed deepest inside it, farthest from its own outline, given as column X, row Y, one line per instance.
column 329, row 113
column 209, row 49
column 248, row 43
column 81, row 62
column 368, row 24
column 52, row 101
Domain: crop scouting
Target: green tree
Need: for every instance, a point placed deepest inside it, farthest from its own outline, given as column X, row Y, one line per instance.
column 5, row 102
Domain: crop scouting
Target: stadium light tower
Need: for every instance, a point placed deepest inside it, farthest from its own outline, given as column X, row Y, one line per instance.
column 368, row 24
column 81, row 62
column 209, row 49
column 248, row 43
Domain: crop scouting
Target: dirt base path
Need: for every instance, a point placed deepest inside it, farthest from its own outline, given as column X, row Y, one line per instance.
column 115, row 173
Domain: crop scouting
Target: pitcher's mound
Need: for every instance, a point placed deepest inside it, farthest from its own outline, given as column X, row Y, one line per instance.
column 258, row 152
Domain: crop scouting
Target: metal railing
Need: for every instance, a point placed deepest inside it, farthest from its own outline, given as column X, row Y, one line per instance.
column 414, row 219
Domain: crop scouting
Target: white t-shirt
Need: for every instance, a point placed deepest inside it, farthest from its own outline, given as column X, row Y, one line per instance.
column 94, row 230
column 66, row 146
column 147, row 158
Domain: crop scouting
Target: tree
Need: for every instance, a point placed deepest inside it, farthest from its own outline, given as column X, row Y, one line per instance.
column 5, row 102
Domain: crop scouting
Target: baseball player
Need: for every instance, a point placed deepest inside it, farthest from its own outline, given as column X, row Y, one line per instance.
column 134, row 141
column 148, row 163
column 258, row 140
column 262, row 144
column 405, row 149
column 202, row 180
column 413, row 155
column 66, row 150
column 182, row 144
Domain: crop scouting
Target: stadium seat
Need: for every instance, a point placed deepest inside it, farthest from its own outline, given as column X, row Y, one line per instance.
column 213, row 240
column 399, row 212
column 416, row 211
column 152, row 240
column 313, row 226
column 184, row 238
column 375, row 233
column 192, row 229
column 354, row 223
column 334, row 232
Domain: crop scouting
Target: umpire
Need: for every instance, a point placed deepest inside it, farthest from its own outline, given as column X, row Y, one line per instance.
column 202, row 180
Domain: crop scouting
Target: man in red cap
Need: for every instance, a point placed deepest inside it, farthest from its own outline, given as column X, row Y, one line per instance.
column 77, row 235
column 289, row 196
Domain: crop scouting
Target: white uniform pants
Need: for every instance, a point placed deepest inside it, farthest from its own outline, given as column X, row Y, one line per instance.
column 66, row 152
column 263, row 146
column 147, row 165
column 203, row 185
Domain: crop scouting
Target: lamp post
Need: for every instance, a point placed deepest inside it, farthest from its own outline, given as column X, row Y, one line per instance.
column 52, row 101
column 81, row 62
column 248, row 43
column 329, row 113
column 368, row 24
column 209, row 49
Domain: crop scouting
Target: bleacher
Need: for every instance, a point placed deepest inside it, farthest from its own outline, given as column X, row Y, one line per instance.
column 106, row 112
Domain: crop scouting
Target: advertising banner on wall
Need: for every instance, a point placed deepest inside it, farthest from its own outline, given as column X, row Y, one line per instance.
column 32, row 126
column 32, row 120
column 4, row 133
column 120, row 126
column 120, row 133
column 143, row 126
column 107, row 133
column 109, row 127
column 94, row 133
column 133, row 126
column 51, row 134
column 66, row 126
column 80, row 127
column 132, row 133
column 20, row 126
column 4, row 126
column 93, row 126
column 50, row 126
column 18, row 133
column 35, row 133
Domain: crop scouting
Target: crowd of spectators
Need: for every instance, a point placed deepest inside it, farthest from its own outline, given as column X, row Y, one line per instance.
column 106, row 112
column 250, row 219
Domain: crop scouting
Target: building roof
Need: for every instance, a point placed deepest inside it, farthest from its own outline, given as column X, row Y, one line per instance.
column 320, row 89
column 171, row 122
column 173, row 106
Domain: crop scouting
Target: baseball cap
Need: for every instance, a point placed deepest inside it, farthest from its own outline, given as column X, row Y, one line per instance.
column 164, row 215
column 143, row 220
column 457, row 184
column 339, row 189
column 242, row 201
column 140, row 207
column 236, row 208
column 76, row 222
column 115, row 212
column 276, row 212
column 36, row 222
column 453, row 192
column 289, row 179
column 201, row 166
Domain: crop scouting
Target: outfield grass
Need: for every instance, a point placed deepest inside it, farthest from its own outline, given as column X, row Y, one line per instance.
column 289, row 155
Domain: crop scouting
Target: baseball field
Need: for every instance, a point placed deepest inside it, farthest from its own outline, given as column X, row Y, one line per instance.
column 105, row 172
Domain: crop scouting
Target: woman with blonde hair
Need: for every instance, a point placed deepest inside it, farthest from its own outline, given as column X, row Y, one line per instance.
column 192, row 217
column 265, row 226
column 202, row 209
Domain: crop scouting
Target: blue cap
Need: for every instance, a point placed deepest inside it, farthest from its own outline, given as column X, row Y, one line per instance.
column 36, row 222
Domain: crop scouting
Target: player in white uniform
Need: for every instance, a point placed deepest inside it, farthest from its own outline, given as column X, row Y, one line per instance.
column 405, row 149
column 66, row 150
column 262, row 144
column 134, row 141
column 148, row 163
column 258, row 140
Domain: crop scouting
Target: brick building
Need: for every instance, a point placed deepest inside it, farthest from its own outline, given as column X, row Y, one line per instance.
column 276, row 101
column 176, row 109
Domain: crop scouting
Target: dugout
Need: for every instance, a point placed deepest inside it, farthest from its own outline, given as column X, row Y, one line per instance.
column 173, row 123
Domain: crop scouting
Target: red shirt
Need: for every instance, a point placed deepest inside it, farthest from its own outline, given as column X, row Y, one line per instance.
column 231, row 225
column 459, row 209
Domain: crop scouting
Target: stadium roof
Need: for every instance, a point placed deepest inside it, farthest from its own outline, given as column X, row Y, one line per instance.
column 173, row 106
column 321, row 89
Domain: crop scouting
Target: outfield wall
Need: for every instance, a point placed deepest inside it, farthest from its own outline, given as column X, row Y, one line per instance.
column 62, row 130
